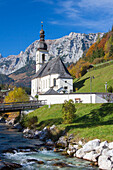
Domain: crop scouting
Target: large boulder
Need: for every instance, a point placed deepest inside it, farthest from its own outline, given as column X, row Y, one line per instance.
column 110, row 145
column 73, row 146
column 44, row 135
column 26, row 130
column 91, row 156
column 79, row 153
column 104, row 144
column 71, row 151
column 53, row 127
column 62, row 142
column 10, row 122
column 28, row 133
column 107, row 152
column 105, row 163
column 99, row 149
column 37, row 134
column 91, row 145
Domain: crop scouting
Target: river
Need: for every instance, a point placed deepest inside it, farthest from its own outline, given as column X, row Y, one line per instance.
column 29, row 152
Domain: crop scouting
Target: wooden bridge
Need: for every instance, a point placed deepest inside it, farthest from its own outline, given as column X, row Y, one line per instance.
column 21, row 106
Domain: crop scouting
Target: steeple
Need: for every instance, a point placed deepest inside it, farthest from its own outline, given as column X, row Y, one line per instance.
column 42, row 45
column 41, row 53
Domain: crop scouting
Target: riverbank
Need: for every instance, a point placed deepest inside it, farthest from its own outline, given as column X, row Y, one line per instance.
column 91, row 120
column 92, row 126
column 92, row 123
column 98, row 153
column 24, row 153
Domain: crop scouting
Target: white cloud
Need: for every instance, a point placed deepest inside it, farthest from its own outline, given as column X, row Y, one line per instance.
column 93, row 14
column 96, row 3
column 87, row 13
column 67, row 7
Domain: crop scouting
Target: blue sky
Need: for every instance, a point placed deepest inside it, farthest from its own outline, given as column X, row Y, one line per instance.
column 20, row 20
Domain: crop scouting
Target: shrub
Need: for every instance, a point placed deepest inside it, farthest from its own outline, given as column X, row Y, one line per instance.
column 110, row 89
column 29, row 122
column 68, row 110
column 32, row 121
column 36, row 96
column 98, row 60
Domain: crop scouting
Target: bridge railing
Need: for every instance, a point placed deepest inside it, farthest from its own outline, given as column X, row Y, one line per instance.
column 26, row 103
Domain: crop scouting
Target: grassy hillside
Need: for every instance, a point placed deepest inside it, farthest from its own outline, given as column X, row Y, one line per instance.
column 92, row 120
column 102, row 74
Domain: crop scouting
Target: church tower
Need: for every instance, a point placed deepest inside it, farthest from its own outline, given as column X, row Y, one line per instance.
column 41, row 53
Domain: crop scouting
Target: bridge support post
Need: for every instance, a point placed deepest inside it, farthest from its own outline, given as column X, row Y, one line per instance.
column 20, row 114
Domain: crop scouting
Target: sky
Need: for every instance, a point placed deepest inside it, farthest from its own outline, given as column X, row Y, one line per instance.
column 20, row 20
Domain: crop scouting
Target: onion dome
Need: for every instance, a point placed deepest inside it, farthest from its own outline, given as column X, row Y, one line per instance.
column 42, row 45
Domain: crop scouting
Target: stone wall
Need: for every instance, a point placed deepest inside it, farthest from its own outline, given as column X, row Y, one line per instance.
column 76, row 97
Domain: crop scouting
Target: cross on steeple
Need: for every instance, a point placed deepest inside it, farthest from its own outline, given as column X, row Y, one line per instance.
column 42, row 24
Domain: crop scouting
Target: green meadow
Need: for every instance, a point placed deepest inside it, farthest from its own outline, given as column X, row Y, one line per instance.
column 101, row 73
column 91, row 120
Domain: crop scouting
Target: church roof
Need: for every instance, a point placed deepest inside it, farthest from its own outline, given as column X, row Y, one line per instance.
column 51, row 91
column 54, row 66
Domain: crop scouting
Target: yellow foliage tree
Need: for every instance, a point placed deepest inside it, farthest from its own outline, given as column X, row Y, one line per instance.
column 17, row 95
column 106, row 57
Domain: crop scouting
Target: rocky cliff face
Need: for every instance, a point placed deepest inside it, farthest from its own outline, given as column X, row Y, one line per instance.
column 70, row 48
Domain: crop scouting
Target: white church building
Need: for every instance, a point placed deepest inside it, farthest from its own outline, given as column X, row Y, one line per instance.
column 52, row 76
column 53, row 83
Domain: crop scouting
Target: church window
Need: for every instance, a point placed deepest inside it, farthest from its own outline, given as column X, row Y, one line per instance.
column 65, row 87
column 65, row 81
column 54, row 82
column 43, row 58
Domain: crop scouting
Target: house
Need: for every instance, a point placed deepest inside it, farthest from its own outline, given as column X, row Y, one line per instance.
column 50, row 74
column 3, row 93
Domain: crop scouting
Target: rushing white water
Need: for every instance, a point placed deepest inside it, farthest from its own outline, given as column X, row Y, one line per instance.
column 22, row 152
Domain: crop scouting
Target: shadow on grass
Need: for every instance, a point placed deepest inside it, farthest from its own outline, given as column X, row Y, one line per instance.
column 96, row 117
column 79, row 84
column 49, row 122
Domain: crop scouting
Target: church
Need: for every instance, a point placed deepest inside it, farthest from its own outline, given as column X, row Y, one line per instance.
column 52, row 76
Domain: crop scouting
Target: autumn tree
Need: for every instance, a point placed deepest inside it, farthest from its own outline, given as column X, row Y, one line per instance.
column 17, row 95
column 79, row 69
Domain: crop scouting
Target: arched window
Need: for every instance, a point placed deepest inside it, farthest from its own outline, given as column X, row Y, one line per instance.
column 43, row 58
column 54, row 82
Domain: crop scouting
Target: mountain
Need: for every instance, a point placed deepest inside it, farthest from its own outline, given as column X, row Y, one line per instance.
column 98, row 53
column 70, row 48
column 5, row 79
column 22, row 77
